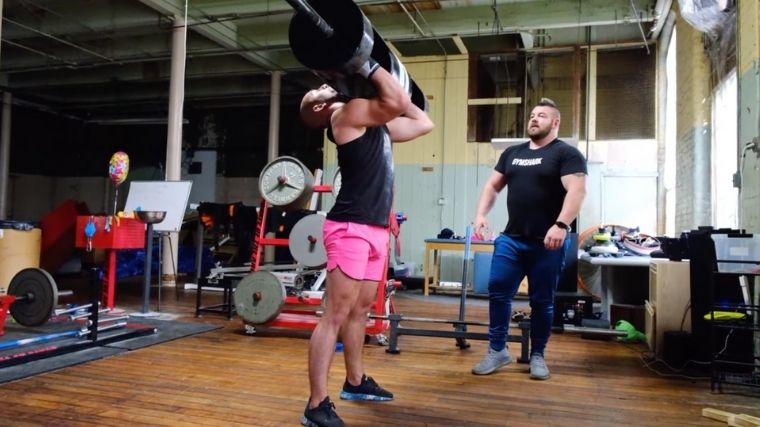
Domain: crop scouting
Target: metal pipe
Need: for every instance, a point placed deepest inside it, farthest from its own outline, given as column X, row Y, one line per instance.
column 39, row 52
column 595, row 331
column 60, row 40
column 83, row 315
column 411, row 18
column 105, row 320
column 273, row 147
column 61, row 311
column 643, row 36
column 38, row 339
column 147, row 276
column 305, row 8
column 661, row 13
column 465, row 262
column 107, row 327
column 662, row 100
column 199, row 53
column 174, row 134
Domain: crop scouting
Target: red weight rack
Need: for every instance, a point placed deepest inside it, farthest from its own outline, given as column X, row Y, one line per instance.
column 124, row 233
column 307, row 319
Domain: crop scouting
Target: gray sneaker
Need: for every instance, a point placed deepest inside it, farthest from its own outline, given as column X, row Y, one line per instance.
column 538, row 368
column 492, row 361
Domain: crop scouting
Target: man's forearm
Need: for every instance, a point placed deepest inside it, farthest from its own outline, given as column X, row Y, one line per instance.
column 389, row 91
column 571, row 206
column 486, row 200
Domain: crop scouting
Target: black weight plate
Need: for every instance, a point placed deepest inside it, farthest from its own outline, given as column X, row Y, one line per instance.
column 38, row 294
column 314, row 49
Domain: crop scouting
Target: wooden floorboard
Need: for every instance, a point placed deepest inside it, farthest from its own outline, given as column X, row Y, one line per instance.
column 228, row 378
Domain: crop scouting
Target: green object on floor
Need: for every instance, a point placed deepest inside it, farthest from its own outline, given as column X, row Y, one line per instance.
column 632, row 334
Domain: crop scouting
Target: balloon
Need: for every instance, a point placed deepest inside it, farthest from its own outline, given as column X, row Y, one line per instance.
column 118, row 167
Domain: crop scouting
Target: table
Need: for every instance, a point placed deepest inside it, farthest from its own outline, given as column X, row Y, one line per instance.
column 112, row 235
column 625, row 280
column 436, row 245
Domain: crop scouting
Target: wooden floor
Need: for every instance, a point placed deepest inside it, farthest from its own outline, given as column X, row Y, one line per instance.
column 228, row 378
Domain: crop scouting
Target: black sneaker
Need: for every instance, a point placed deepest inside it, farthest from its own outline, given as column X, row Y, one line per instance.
column 322, row 416
column 367, row 390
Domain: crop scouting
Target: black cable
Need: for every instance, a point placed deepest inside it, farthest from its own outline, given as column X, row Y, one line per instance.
column 685, row 311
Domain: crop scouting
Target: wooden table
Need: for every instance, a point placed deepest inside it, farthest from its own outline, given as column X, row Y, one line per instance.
column 436, row 245
column 624, row 280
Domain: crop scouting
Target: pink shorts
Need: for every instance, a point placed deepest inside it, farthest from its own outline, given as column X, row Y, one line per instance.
column 360, row 250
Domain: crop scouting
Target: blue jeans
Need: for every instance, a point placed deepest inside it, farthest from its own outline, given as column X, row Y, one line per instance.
column 513, row 259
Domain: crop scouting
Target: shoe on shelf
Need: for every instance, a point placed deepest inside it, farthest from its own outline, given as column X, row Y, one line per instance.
column 492, row 361
column 538, row 368
column 323, row 415
column 367, row 390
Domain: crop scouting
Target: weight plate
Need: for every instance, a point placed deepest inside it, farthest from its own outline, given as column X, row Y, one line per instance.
column 259, row 297
column 37, row 296
column 286, row 182
column 347, row 49
column 305, row 241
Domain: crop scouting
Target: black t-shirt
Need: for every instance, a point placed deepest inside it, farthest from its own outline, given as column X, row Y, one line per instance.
column 535, row 192
column 366, row 170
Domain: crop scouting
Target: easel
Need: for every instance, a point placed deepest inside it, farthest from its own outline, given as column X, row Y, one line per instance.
column 169, row 196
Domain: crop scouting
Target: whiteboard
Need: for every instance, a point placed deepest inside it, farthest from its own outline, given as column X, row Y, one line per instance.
column 169, row 196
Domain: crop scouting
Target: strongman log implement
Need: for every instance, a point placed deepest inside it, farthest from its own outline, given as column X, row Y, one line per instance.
column 336, row 55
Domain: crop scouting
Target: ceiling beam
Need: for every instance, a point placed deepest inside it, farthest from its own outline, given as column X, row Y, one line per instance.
column 473, row 20
column 223, row 33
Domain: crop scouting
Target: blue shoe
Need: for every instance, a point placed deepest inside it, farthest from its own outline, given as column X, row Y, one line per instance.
column 367, row 390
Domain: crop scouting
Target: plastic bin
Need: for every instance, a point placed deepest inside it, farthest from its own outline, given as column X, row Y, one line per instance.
column 19, row 249
column 743, row 253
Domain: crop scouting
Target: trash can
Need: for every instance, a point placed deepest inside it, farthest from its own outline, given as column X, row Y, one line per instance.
column 19, row 249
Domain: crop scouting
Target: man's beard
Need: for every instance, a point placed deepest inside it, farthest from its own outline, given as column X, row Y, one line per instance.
column 536, row 133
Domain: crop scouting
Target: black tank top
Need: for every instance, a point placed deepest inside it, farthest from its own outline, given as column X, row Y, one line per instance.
column 366, row 169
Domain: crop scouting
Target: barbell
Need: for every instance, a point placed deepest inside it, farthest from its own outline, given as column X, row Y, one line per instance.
column 334, row 39
column 33, row 295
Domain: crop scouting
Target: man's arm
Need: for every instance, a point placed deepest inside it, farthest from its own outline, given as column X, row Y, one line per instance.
column 496, row 182
column 412, row 124
column 391, row 101
column 575, row 185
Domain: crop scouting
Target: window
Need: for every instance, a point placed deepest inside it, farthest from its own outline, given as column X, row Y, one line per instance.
column 670, row 139
column 495, row 97
column 725, row 198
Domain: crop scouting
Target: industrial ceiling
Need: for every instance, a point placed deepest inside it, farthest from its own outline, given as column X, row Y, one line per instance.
column 96, row 58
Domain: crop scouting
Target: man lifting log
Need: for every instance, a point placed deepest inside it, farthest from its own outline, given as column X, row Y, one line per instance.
column 356, row 231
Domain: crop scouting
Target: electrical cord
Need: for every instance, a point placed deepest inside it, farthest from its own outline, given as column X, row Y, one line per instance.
column 649, row 366
column 648, row 360
column 685, row 312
